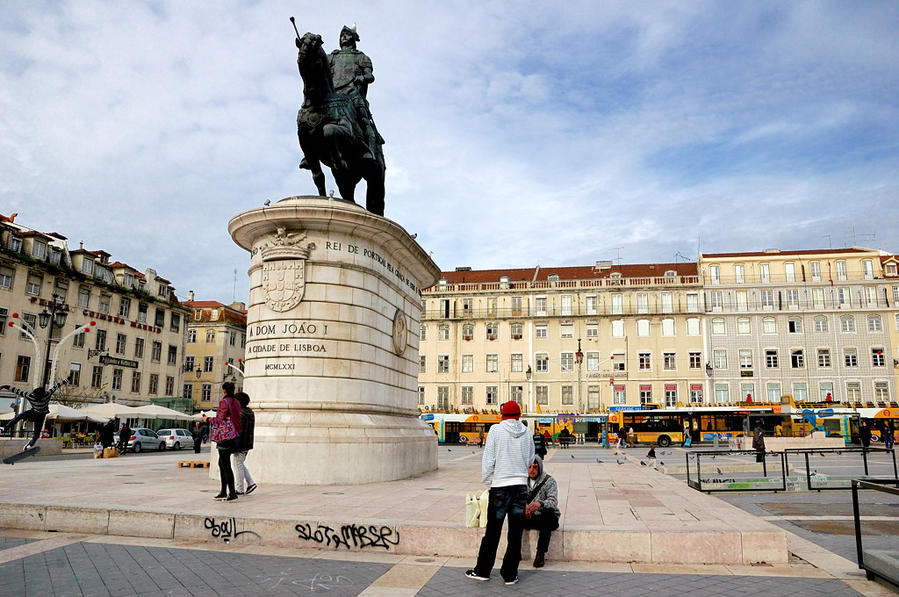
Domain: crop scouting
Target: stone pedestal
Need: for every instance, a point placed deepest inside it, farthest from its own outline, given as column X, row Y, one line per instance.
column 332, row 344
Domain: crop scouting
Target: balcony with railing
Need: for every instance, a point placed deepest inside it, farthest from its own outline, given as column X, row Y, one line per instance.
column 586, row 284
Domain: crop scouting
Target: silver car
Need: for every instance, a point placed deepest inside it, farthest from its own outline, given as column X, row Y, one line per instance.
column 143, row 439
column 176, row 439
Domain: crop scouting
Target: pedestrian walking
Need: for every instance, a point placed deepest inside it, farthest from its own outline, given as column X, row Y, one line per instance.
column 758, row 444
column 197, row 433
column 888, row 438
column 225, row 431
column 244, row 445
column 539, row 445
column 504, row 465
column 542, row 510
column 124, row 438
column 864, row 434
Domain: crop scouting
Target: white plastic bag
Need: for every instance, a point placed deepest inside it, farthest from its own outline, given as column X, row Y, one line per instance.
column 483, row 503
column 471, row 510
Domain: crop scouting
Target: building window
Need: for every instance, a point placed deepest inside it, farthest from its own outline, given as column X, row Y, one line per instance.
column 868, row 269
column 695, row 360
column 593, row 398
column 847, row 323
column 619, row 395
column 540, row 330
column 715, row 300
column 422, row 362
column 75, row 374
column 746, row 391
column 97, row 377
column 645, row 394
column 644, row 360
column 695, row 392
column 739, row 274
column 790, row 272
column 468, row 331
column 843, row 297
column 719, row 328
column 540, row 306
column 103, row 306
column 566, row 329
column 542, row 393
column 773, row 392
column 722, row 393
column 443, row 363
column 745, row 357
column 33, row 285
column 617, row 303
column 566, row 361
column 818, row 298
column 23, row 368
column 492, row 363
column 156, row 352
column 467, row 363
column 667, row 302
column 850, row 357
column 6, row 276
column 78, row 339
column 793, row 298
column 877, row 358
column 491, row 307
column 643, row 327
column 592, row 361
column 820, row 323
column 669, row 361
column 668, row 327
column 423, row 332
column 800, row 392
column 742, row 301
column 120, row 341
column 566, row 304
column 769, row 325
column 517, row 363
column 670, row 395
column 210, row 336
column 823, row 358
column 618, row 328
column 169, row 385
column 797, row 358
column 826, row 391
column 515, row 329
column 135, row 384
column 841, row 270
column 492, row 395
column 206, row 392
column 516, row 306
column 467, row 395
column 187, row 391
column 719, row 358
column 492, row 331
column 173, row 356
column 714, row 274
column 771, row 358
column 421, row 395
column 618, row 363
column 443, row 332
column 693, row 326
column 175, row 324
column 743, row 327
column 191, row 336
column 541, row 362
column 232, row 338
column 815, row 268
column 154, row 384
column 794, row 325
column 100, row 343
column 853, row 391
column 642, row 303
column 160, row 317
column 881, row 391
column 117, row 375
column 208, row 364
column 692, row 302
column 142, row 309
column 875, row 324
column 590, row 304
column 138, row 348
column 567, row 395
column 124, row 306
column 592, row 329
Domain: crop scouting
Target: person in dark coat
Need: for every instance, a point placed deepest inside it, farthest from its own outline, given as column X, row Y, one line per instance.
column 864, row 434
column 539, row 445
column 758, row 444
column 124, row 436
column 542, row 512
column 196, row 432
column 107, row 434
column 244, row 445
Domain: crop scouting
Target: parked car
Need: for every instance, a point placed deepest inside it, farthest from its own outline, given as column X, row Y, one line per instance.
column 176, row 438
column 143, row 439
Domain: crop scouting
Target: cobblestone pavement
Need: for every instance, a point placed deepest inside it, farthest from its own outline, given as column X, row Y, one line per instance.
column 107, row 566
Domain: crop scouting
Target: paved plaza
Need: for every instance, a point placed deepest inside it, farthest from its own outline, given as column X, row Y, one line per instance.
column 36, row 562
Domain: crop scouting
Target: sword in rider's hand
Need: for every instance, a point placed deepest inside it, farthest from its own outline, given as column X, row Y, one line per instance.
column 294, row 23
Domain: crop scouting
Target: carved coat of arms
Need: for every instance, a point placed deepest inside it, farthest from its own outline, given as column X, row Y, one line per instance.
column 284, row 269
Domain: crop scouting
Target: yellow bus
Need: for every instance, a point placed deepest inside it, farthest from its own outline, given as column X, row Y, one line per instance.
column 666, row 426
column 460, row 428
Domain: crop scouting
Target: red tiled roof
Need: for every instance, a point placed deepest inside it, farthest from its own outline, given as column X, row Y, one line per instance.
column 202, row 304
column 776, row 252
column 637, row 270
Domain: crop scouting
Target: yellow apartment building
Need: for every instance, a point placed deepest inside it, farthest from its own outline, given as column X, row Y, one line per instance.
column 563, row 339
column 216, row 338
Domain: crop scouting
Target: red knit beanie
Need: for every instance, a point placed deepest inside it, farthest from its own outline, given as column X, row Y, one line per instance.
column 511, row 410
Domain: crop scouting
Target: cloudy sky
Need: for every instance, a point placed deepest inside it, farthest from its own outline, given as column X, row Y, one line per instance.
column 518, row 133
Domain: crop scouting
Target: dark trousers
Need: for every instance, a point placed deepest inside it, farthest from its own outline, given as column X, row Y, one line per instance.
column 197, row 445
column 225, row 471
column 546, row 522
column 30, row 415
column 504, row 501
column 760, row 455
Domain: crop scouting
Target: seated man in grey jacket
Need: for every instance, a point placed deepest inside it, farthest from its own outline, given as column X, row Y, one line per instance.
column 542, row 511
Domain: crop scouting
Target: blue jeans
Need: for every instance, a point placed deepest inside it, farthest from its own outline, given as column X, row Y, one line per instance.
column 504, row 501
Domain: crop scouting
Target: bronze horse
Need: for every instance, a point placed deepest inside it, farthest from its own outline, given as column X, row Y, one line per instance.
column 329, row 131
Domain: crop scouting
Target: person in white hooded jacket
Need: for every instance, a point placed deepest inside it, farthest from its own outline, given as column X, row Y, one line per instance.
column 507, row 454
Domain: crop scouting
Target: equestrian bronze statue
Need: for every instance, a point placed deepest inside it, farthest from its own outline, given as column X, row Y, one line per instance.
column 334, row 124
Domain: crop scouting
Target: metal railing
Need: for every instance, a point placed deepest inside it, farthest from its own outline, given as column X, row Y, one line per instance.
column 737, row 470
column 882, row 563
column 823, row 471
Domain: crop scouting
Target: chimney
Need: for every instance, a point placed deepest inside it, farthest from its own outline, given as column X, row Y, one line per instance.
column 190, row 295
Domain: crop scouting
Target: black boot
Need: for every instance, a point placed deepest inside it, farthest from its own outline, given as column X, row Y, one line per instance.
column 538, row 561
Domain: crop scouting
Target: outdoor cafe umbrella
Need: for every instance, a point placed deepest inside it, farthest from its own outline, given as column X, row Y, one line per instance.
column 61, row 413
column 110, row 410
column 154, row 411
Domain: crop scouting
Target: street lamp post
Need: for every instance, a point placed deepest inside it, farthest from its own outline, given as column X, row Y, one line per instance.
column 55, row 317
column 527, row 375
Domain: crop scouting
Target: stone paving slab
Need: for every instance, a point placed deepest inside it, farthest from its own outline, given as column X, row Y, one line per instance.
column 611, row 512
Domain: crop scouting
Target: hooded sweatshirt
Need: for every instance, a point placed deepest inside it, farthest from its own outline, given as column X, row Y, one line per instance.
column 548, row 492
column 507, row 454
